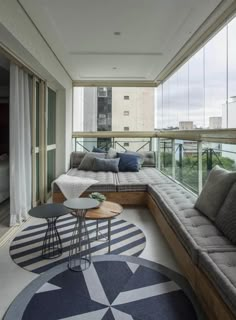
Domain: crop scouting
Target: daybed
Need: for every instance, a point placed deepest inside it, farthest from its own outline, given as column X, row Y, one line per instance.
column 206, row 256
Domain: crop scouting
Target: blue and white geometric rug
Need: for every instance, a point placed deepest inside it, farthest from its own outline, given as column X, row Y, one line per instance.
column 112, row 288
column 25, row 249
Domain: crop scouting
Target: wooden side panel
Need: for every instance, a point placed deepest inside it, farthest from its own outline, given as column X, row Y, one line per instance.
column 123, row 198
column 211, row 301
column 181, row 255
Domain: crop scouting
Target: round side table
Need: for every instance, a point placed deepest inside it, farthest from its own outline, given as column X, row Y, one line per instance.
column 52, row 246
column 79, row 253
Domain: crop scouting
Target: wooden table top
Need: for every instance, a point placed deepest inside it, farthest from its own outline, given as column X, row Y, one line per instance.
column 106, row 210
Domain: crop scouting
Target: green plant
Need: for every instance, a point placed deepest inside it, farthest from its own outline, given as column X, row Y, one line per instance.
column 97, row 196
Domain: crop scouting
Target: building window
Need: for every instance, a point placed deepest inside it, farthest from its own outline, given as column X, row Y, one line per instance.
column 126, row 97
column 126, row 144
column 126, row 113
column 126, row 128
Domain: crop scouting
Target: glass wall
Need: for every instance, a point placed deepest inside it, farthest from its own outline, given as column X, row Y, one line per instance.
column 202, row 93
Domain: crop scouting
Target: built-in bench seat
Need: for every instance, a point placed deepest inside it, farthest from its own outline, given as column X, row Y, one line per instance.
column 196, row 232
column 220, row 267
column 206, row 256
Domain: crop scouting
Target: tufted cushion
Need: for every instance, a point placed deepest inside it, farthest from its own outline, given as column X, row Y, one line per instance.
column 138, row 181
column 106, row 180
column 128, row 162
column 221, row 269
column 106, row 164
column 214, row 191
column 226, row 218
column 88, row 160
column 149, row 158
column 76, row 158
column 195, row 230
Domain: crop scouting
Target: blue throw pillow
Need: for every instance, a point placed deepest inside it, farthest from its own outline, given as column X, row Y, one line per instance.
column 98, row 150
column 128, row 162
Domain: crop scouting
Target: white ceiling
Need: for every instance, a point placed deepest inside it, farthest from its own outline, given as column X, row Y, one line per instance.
column 81, row 33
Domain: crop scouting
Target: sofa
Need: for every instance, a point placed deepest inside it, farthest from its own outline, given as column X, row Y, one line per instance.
column 205, row 254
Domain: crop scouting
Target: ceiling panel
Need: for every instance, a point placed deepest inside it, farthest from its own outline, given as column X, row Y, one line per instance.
column 81, row 33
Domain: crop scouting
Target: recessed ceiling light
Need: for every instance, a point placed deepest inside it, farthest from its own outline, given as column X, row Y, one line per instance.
column 117, row 33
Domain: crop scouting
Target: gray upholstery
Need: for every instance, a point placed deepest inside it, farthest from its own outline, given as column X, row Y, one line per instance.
column 226, row 218
column 195, row 231
column 111, row 154
column 221, row 269
column 76, row 158
column 138, row 181
column 149, row 158
column 107, row 180
column 88, row 160
column 106, row 165
column 214, row 191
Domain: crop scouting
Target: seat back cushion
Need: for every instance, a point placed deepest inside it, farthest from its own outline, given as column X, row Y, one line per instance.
column 215, row 191
column 76, row 158
column 226, row 218
column 88, row 160
column 106, row 165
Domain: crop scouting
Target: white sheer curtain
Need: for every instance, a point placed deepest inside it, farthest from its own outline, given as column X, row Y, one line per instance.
column 20, row 145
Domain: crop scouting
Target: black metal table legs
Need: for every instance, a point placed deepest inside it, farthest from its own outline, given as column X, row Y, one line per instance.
column 79, row 254
column 52, row 246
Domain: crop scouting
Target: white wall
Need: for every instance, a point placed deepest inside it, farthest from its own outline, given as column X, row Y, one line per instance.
column 18, row 34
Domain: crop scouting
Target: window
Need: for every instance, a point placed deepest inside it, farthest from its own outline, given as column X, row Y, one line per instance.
column 126, row 144
column 126, row 128
column 126, row 97
column 126, row 113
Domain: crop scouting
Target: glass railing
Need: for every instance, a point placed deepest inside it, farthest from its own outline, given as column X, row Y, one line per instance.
column 185, row 156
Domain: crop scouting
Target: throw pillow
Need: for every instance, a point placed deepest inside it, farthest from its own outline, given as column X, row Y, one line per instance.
column 87, row 161
column 128, row 162
column 226, row 218
column 111, row 154
column 214, row 191
column 106, row 165
column 98, row 150
column 139, row 155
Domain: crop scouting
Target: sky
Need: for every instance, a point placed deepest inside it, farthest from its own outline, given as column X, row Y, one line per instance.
column 198, row 90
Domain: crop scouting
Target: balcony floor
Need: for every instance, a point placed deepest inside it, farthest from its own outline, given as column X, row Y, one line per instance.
column 13, row 278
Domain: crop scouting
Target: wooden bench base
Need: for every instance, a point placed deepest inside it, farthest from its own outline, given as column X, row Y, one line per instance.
column 212, row 303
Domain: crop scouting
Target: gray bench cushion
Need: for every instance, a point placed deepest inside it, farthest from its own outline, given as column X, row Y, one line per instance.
column 221, row 269
column 107, row 180
column 195, row 230
column 138, row 181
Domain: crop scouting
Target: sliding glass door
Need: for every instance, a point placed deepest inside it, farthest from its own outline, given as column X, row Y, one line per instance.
column 43, row 141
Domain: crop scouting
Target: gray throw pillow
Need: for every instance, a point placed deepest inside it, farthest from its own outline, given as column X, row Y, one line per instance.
column 214, row 191
column 111, row 154
column 87, row 161
column 106, row 164
column 226, row 218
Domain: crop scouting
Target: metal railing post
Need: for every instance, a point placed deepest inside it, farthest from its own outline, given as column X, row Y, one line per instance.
column 181, row 162
column 158, row 154
column 199, row 159
column 173, row 162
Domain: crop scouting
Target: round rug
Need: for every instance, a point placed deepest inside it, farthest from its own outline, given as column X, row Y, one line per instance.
column 25, row 249
column 113, row 287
